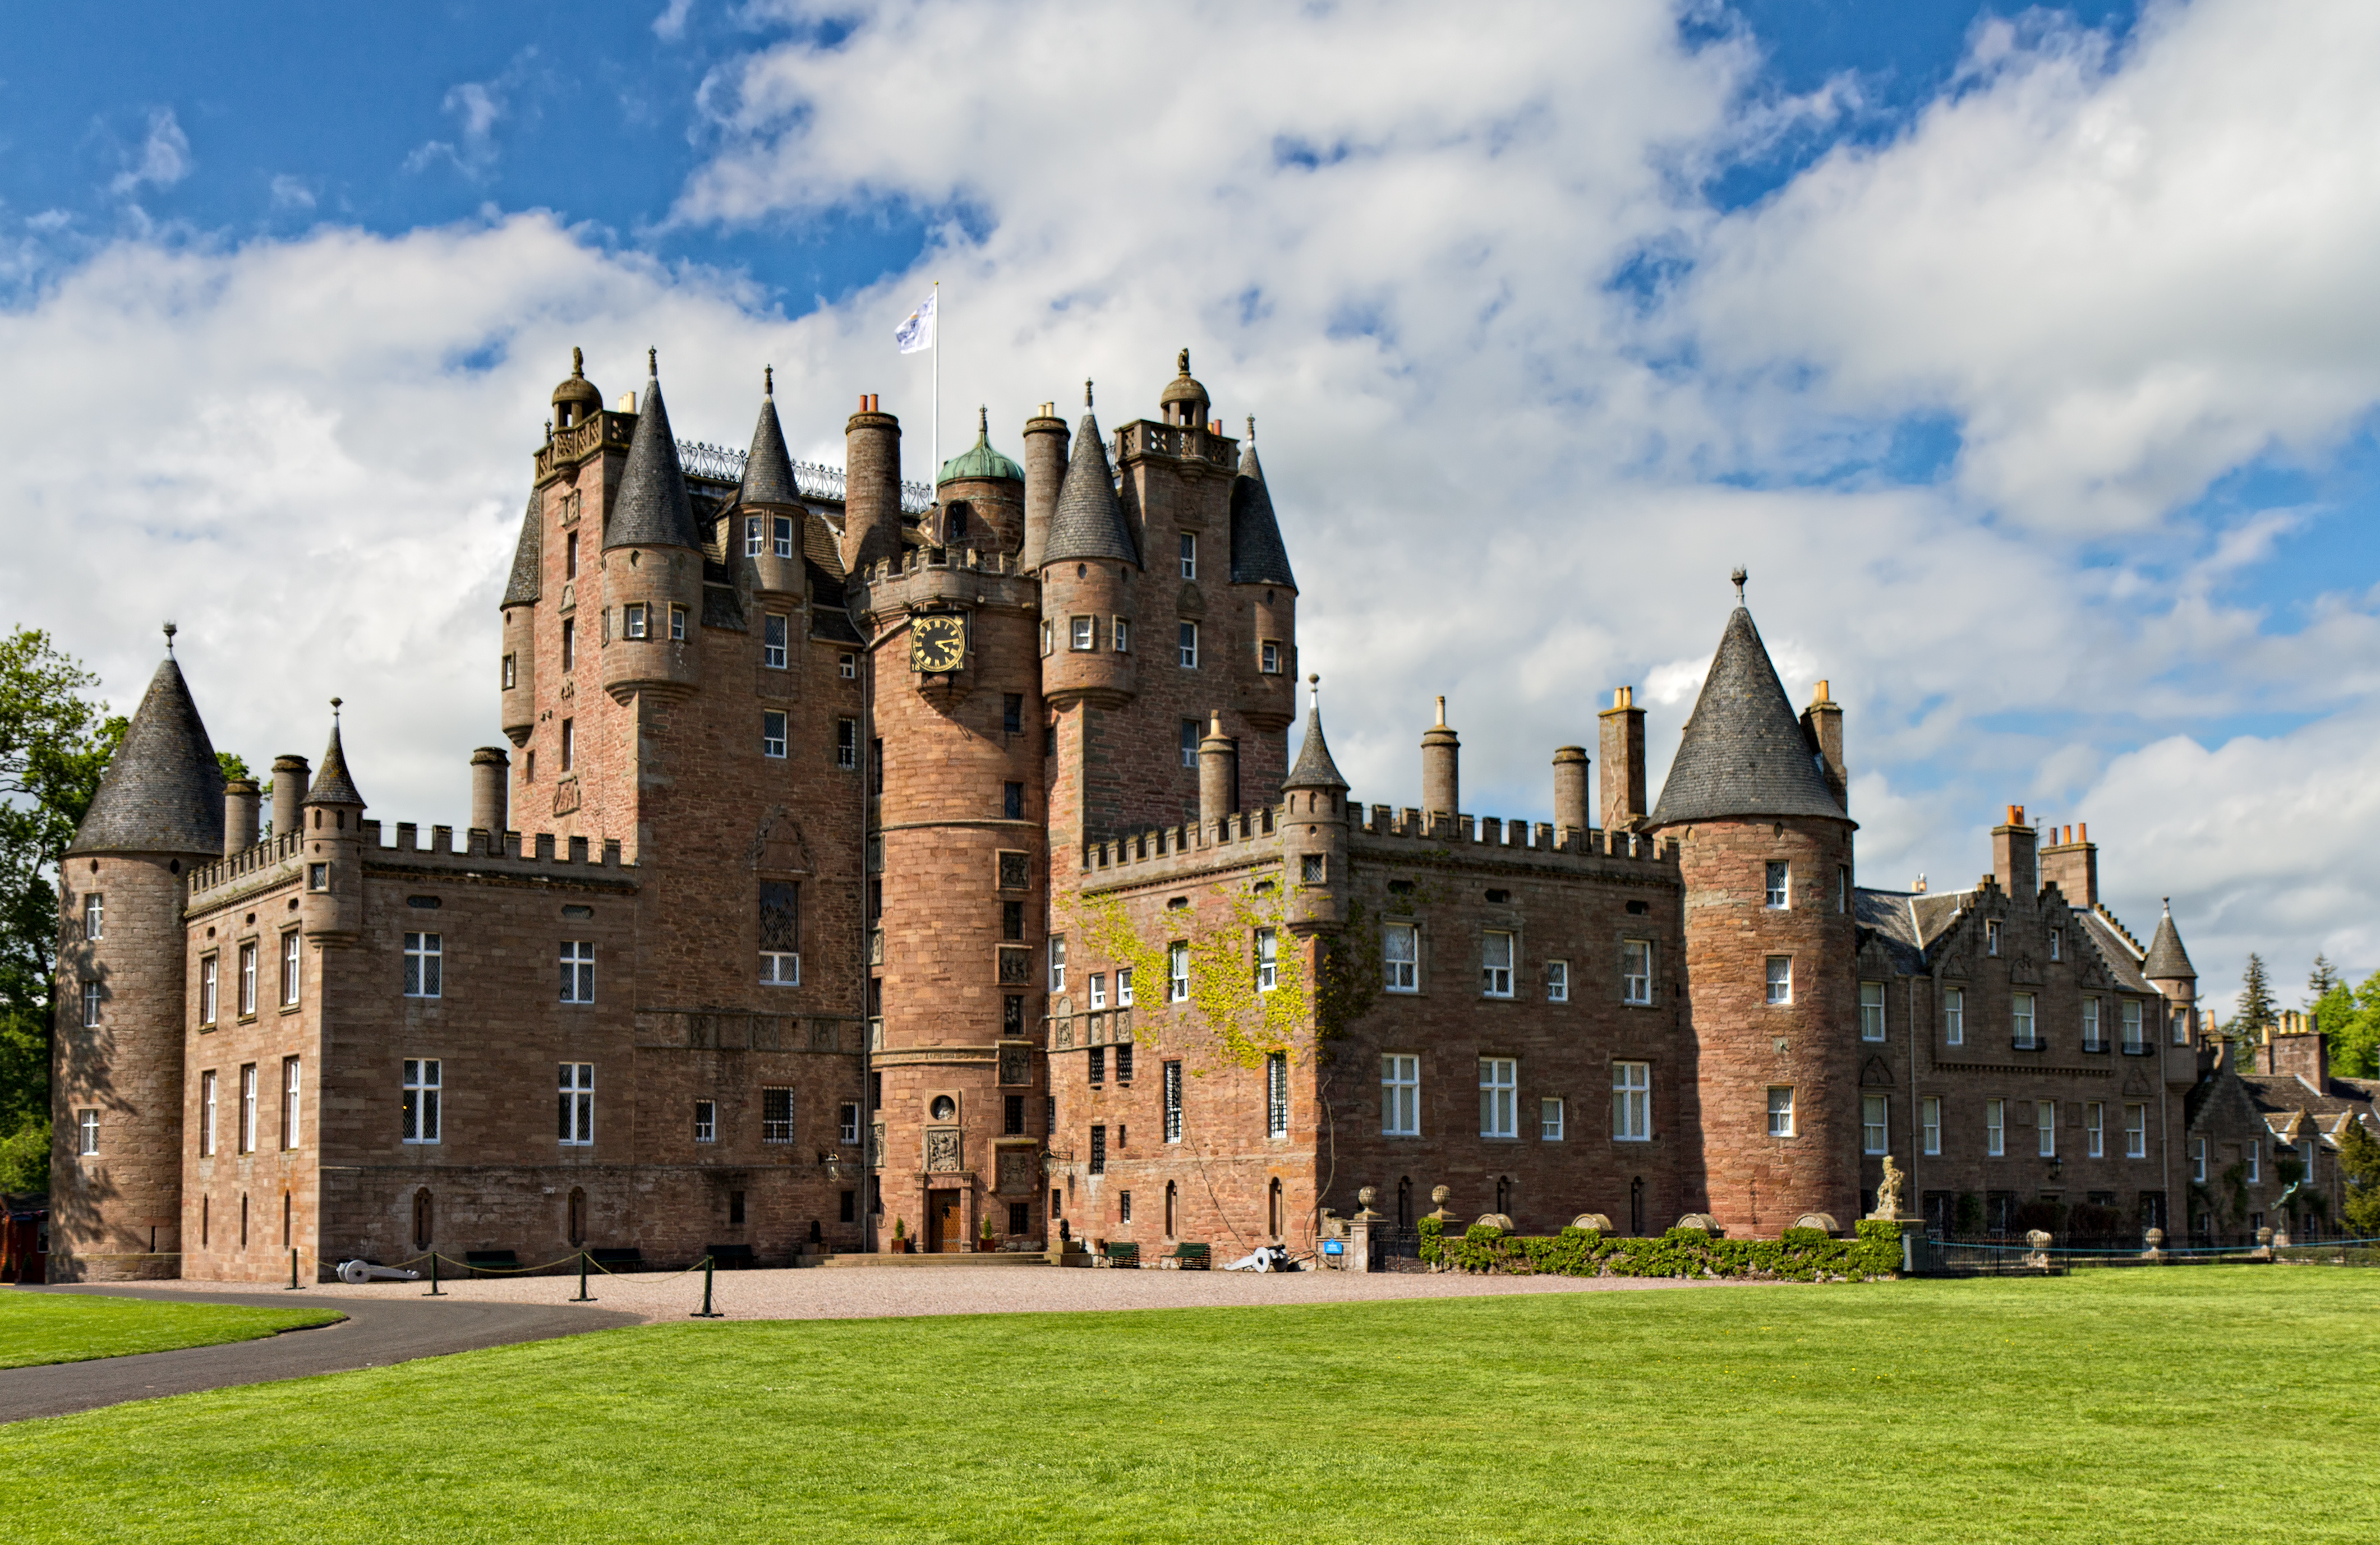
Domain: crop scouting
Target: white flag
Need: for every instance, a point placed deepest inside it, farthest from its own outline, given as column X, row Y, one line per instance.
column 918, row 332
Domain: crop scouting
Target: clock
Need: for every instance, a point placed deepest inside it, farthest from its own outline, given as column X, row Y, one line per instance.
column 937, row 643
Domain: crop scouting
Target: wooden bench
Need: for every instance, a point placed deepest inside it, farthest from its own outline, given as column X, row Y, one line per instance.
column 618, row 1259
column 728, row 1258
column 1187, row 1257
column 1122, row 1254
column 491, row 1260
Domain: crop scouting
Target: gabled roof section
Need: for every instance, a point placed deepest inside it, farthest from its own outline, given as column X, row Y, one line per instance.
column 528, row 580
column 1887, row 917
column 1743, row 752
column 332, row 784
column 1258, row 556
column 653, row 509
column 162, row 791
column 1315, row 769
column 1089, row 522
column 2167, row 960
column 769, row 467
column 2123, row 959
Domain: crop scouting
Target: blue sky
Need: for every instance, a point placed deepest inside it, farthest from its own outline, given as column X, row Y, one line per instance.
column 2023, row 355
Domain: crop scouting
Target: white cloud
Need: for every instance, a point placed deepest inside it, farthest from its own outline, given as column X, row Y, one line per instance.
column 477, row 107
column 292, row 193
column 162, row 160
column 670, row 25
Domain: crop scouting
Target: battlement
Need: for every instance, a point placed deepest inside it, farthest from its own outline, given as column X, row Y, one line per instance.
column 274, row 860
column 1143, row 437
column 930, row 575
column 1247, row 838
column 1460, row 832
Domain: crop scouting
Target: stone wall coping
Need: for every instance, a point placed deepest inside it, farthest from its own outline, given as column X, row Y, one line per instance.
column 508, row 852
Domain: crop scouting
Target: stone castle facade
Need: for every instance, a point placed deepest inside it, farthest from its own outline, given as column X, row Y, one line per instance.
column 864, row 854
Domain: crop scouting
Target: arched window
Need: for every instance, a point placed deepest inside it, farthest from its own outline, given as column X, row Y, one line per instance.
column 423, row 1215
column 1272, row 1208
column 577, row 1216
column 1504, row 1194
column 1404, row 1204
column 1172, row 1211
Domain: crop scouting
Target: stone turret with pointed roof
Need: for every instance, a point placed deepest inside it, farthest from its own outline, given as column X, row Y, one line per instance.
column 2167, row 960
column 1089, row 522
column 1258, row 556
column 527, row 582
column 653, row 509
column 162, row 791
column 768, row 469
column 1315, row 769
column 1743, row 753
column 332, row 785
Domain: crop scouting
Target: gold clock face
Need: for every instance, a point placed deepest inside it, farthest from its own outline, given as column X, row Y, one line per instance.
column 937, row 645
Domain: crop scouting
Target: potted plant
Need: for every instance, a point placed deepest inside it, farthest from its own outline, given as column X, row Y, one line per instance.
column 900, row 1237
column 987, row 1242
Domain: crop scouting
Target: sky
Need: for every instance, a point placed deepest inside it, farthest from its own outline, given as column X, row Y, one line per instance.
column 2027, row 358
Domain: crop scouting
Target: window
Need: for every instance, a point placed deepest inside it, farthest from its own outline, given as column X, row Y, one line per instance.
column 2132, row 1041
column 207, row 991
column 1930, row 1117
column 1872, row 1124
column 776, row 1116
column 1991, row 936
column 1011, row 802
column 289, row 1102
column 1177, row 972
column 577, row 1086
column 318, row 875
column 1636, row 970
column 1777, row 886
column 706, row 1116
column 1557, row 981
column 1268, row 961
column 1496, row 964
column 1120, row 634
column 780, row 932
column 248, row 1108
column 1954, row 1017
column 511, row 672
column 1189, row 743
column 781, row 968
column 1012, row 927
column 2091, row 1041
column 207, row 1113
column 2254, row 1154
column 1780, row 1111
column 1098, row 979
column 1277, row 1094
column 1400, row 958
column 634, row 620
column 569, row 643
column 1046, row 647
column 1098, row 1150
column 1269, row 658
column 1098, row 1066
column 773, row 733
column 2058, row 944
column 1058, row 963
column 569, row 744
column 1632, row 1101
column 1870, row 1010
column 2181, row 1030
column 785, row 535
column 1499, row 1080
column 1124, row 1200
column 846, row 744
column 1173, row 1082
column 570, row 554
column 2198, row 1159
column 86, row 1132
column 1123, row 989
column 422, row 1082
column 2136, row 1131
column 847, row 666
column 289, row 969
column 1189, row 646
column 577, row 970
column 1189, row 555
column 94, row 915
column 2094, row 1133
column 847, row 1124
column 753, row 539
column 247, row 977
column 1086, row 633
column 1400, row 1095
column 1780, row 979
column 1843, row 888
column 91, row 1002
column 773, row 642
column 2020, row 1017
column 1995, row 1128
column 1313, row 868
column 423, row 955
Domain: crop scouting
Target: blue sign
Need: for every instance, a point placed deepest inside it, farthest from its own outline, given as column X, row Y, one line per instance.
column 1332, row 1246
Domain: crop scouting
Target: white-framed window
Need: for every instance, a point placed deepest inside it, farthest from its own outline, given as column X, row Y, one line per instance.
column 1996, row 1128
column 1189, row 743
column 2058, row 944
column 777, row 1114
column 1098, row 989
column 1047, row 647
column 1500, row 1085
column 1632, row 1101
column 2090, row 1037
column 1177, row 972
column 1120, row 634
column 1873, row 1122
column 1276, row 1094
column 677, row 625
column 1780, row 979
column 1083, row 634
column 1954, row 1016
column 2094, row 1130
column 846, row 744
column 2020, row 1020
column 1057, row 962
column 1991, row 936
column 86, row 1132
column 2045, row 1127
column 781, row 968
column 94, row 916
column 1400, row 957
column 2198, row 1159
column 1400, row 1095
column 2254, row 1154
column 1495, row 964
column 289, row 1102
column 1557, row 981
column 1268, row 961
column 785, row 535
column 772, row 641
column 92, row 1001
column 422, row 1082
column 1550, row 1118
column 424, row 954
column 248, row 1108
column 1269, row 658
column 289, row 947
column 247, row 978
column 847, row 666
column 1189, row 636
column 753, row 538
column 1778, row 886
column 1123, row 988
column 1189, row 555
column 1173, row 1082
column 705, row 1116
column 847, row 1124
column 577, row 1096
column 2136, row 1131
column 1870, row 1010
column 511, row 672
column 1930, row 1117
column 207, row 1113
column 2181, row 1028
column 773, row 733
column 635, row 620
column 1780, row 1111
column 577, row 970
column 2133, row 1038
column 1636, row 970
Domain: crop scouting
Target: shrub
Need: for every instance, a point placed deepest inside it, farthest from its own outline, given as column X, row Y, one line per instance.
column 1803, row 1255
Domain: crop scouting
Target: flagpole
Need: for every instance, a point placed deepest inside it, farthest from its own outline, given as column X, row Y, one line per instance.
column 934, row 477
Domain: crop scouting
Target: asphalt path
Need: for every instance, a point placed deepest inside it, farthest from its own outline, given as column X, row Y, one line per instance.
column 376, row 1332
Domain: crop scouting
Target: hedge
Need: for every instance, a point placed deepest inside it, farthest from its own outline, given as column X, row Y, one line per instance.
column 1801, row 1255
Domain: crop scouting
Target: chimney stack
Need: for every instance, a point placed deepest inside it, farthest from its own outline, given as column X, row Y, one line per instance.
column 1440, row 775
column 1822, row 722
column 290, row 776
column 2071, row 863
column 871, row 487
column 2014, row 862
column 1219, row 774
column 1622, row 734
column 239, row 815
column 489, row 771
column 1045, row 472
column 1571, row 815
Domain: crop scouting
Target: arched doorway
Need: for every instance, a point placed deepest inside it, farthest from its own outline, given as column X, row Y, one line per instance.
column 1504, row 1194
column 1272, row 1208
column 1404, row 1204
column 1172, row 1211
column 578, row 1225
column 423, row 1218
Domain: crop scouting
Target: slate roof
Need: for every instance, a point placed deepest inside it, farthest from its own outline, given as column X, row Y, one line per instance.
column 332, row 784
column 2123, row 964
column 2166, row 959
column 769, row 468
column 1743, row 752
column 1089, row 522
column 1315, row 769
column 1258, row 555
column 162, row 791
column 528, row 557
column 1887, row 916
column 653, row 509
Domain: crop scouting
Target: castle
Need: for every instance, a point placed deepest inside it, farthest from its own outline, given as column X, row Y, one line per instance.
column 867, row 858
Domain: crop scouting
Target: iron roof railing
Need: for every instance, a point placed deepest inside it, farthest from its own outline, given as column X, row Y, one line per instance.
column 724, row 463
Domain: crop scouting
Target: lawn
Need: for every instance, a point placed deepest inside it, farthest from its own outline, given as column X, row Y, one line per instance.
column 74, row 1327
column 2219, row 1403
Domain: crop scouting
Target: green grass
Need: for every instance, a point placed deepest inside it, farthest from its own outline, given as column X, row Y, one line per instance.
column 74, row 1327
column 2222, row 1403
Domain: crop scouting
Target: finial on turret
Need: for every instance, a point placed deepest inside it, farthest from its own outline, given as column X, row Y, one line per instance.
column 335, row 710
column 1738, row 576
column 170, row 631
column 1086, row 393
column 1185, row 362
column 1251, row 428
column 653, row 363
column 577, row 360
column 1314, row 689
column 983, row 420
column 768, row 381
column 549, row 432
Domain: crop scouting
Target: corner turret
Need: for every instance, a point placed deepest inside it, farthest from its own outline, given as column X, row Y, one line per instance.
column 652, row 566
column 1086, row 573
column 518, row 679
column 769, row 509
column 1268, row 590
column 332, row 908
column 979, row 497
column 2166, row 966
column 1314, row 829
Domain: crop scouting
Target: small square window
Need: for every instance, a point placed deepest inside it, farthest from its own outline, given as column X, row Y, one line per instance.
column 317, row 877
column 785, row 535
column 633, row 621
column 1780, row 979
column 847, row 667
column 1084, row 633
column 1269, row 658
column 781, row 968
column 1189, row 634
column 1557, row 981
column 1313, row 868
column 773, row 733
column 752, row 537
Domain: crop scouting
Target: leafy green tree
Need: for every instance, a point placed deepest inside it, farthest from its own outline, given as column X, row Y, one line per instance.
column 2359, row 1161
column 2349, row 1019
column 2256, row 1012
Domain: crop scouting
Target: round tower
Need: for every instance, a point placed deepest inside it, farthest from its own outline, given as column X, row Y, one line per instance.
column 766, row 528
column 1045, row 470
column 1087, row 570
column 981, row 495
column 330, row 906
column 2166, row 966
column 871, row 487
column 122, row 990
column 1314, row 831
column 1771, row 972
column 1266, row 589
column 652, row 566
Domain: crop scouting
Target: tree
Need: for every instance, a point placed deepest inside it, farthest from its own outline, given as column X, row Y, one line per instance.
column 2349, row 1019
column 2359, row 1163
column 2323, row 982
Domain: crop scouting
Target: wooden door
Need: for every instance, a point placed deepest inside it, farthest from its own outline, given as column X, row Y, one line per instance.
column 945, row 1222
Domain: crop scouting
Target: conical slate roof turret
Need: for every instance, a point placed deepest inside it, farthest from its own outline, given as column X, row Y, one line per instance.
column 653, row 510
column 162, row 791
column 528, row 559
column 1258, row 555
column 332, row 784
column 769, row 470
column 1089, row 522
column 1743, row 752
column 1315, row 769
column 2167, row 960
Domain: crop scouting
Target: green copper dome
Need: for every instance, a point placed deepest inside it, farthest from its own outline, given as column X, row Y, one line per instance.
column 981, row 460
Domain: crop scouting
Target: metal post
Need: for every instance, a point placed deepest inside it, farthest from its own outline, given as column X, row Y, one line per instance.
column 582, row 1297
column 293, row 1268
column 434, row 1292
column 706, row 1312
